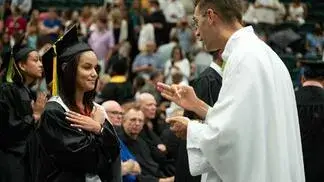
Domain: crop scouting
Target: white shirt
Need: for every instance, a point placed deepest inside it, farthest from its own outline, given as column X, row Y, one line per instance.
column 252, row 133
column 174, row 8
column 184, row 67
column 217, row 68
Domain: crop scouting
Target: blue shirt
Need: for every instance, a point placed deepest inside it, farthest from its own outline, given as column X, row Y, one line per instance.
column 51, row 24
column 126, row 155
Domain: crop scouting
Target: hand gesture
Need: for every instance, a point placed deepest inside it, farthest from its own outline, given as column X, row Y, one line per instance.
column 38, row 105
column 179, row 125
column 83, row 122
column 182, row 95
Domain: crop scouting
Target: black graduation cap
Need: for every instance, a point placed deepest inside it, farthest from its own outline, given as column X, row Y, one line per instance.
column 19, row 52
column 62, row 51
column 313, row 69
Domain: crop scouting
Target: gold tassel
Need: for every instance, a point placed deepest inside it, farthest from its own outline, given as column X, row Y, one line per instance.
column 10, row 70
column 54, row 81
column 13, row 70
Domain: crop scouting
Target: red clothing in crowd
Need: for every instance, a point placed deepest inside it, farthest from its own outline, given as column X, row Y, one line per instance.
column 18, row 25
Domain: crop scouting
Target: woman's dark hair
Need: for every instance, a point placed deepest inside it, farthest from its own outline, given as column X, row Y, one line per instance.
column 172, row 53
column 67, row 81
column 18, row 77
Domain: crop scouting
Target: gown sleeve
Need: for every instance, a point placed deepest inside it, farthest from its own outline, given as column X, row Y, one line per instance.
column 16, row 115
column 74, row 149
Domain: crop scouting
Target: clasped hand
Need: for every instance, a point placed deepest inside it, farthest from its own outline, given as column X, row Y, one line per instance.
column 179, row 125
column 83, row 122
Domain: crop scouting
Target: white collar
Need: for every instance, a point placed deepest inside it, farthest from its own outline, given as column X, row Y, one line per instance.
column 216, row 67
column 229, row 47
column 312, row 83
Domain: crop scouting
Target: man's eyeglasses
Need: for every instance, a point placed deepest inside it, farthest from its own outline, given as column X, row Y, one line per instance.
column 116, row 113
column 194, row 22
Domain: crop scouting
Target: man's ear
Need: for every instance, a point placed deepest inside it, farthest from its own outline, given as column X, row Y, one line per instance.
column 303, row 80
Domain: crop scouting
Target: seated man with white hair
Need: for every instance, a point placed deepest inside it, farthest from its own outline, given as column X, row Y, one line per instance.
column 114, row 111
column 148, row 104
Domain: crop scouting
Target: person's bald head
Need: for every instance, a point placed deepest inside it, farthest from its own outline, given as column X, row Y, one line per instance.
column 148, row 105
column 114, row 111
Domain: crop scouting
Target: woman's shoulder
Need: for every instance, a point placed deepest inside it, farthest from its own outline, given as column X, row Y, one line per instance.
column 7, row 88
column 53, row 107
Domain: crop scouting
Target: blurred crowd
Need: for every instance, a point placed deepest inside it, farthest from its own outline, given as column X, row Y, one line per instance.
column 142, row 42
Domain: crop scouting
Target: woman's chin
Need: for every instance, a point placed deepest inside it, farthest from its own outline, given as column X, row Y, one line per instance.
column 89, row 88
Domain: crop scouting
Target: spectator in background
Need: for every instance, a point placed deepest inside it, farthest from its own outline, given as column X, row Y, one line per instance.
column 297, row 12
column 178, row 62
column 114, row 111
column 85, row 20
column 153, row 169
column 15, row 23
column 119, row 88
column 138, row 84
column 315, row 42
column 24, row 5
column 135, row 20
column 101, row 40
column 148, row 105
column 51, row 25
column 184, row 34
column 174, row 12
column 32, row 30
column 119, row 26
column 159, row 23
column 146, row 34
column 165, row 50
column 147, row 62
column 150, row 85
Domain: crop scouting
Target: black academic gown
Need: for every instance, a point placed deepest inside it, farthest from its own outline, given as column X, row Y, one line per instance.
column 148, row 159
column 16, row 126
column 310, row 104
column 68, row 154
column 207, row 87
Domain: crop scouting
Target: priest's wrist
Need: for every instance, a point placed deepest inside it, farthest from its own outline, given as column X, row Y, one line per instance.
column 200, row 108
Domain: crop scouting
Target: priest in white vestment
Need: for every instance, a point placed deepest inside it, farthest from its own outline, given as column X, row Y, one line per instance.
column 252, row 133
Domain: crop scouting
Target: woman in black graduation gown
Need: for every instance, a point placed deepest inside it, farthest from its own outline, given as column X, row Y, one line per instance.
column 19, row 111
column 77, row 141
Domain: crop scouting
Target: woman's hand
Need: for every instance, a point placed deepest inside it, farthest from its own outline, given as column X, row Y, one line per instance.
column 38, row 105
column 98, row 114
column 83, row 122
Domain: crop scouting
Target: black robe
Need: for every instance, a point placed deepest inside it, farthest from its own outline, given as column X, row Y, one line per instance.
column 310, row 104
column 66, row 154
column 161, row 36
column 150, row 137
column 152, row 162
column 207, row 87
column 16, row 126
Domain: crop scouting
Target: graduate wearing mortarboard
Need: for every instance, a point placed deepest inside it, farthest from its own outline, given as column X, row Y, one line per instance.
column 19, row 110
column 77, row 142
column 310, row 104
